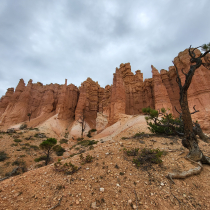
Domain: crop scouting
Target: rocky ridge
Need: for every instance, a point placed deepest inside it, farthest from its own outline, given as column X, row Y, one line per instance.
column 127, row 95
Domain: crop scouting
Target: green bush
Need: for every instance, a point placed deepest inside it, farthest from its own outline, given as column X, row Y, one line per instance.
column 167, row 124
column 138, row 134
column 43, row 157
column 59, row 150
column 19, row 162
column 148, row 157
column 63, row 141
column 91, row 147
column 67, row 168
column 80, row 139
column 34, row 147
column 87, row 143
column 14, row 145
column 91, row 131
column 17, row 140
column 87, row 159
column 23, row 126
column 89, row 134
column 66, row 135
column 3, row 156
column 132, row 152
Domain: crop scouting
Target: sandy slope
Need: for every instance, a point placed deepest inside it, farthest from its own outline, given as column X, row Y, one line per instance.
column 124, row 185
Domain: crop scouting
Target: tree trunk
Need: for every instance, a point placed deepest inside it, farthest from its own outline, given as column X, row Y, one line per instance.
column 47, row 158
column 189, row 141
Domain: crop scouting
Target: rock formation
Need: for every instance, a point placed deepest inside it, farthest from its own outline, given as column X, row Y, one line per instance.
column 127, row 95
column 160, row 92
column 89, row 99
column 39, row 100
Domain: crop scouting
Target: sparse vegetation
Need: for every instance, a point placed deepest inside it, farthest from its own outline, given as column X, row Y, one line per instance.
column 23, row 126
column 3, row 156
column 14, row 144
column 148, row 157
column 67, row 168
column 41, row 158
column 167, row 124
column 17, row 140
column 72, row 155
column 19, row 162
column 24, row 148
column 47, row 146
column 63, row 141
column 66, row 135
column 90, row 132
column 87, row 159
column 87, row 143
column 60, row 187
column 80, row 139
column 34, row 147
column 59, row 150
column 91, row 147
column 40, row 135
column 123, row 138
column 132, row 152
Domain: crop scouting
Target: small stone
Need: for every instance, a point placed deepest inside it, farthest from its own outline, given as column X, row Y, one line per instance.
column 101, row 189
column 93, row 205
column 162, row 184
column 77, row 202
column 134, row 206
column 130, row 201
column 118, row 185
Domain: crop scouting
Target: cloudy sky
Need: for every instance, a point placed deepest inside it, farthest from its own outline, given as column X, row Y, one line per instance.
column 48, row 41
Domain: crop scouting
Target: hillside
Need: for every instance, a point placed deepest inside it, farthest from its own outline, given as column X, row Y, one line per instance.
column 111, row 180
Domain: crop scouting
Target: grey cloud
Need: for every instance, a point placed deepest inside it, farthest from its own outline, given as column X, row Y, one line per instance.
column 50, row 41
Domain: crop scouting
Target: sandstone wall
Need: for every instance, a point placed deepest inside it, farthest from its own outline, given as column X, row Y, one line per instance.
column 90, row 98
column 39, row 100
column 127, row 95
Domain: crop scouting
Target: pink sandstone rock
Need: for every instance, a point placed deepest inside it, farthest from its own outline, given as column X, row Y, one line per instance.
column 128, row 95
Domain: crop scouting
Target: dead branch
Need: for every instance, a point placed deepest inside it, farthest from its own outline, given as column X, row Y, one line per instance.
column 185, row 174
column 195, row 110
column 183, row 72
column 13, row 172
column 136, row 199
column 176, row 198
column 177, row 110
column 58, row 204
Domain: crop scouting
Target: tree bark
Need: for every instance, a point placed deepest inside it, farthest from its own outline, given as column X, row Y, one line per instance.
column 189, row 141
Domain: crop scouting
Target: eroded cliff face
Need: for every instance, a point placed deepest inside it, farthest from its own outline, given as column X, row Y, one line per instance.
column 39, row 100
column 89, row 103
column 127, row 95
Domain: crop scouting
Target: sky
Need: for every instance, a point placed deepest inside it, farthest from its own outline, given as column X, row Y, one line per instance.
column 50, row 41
